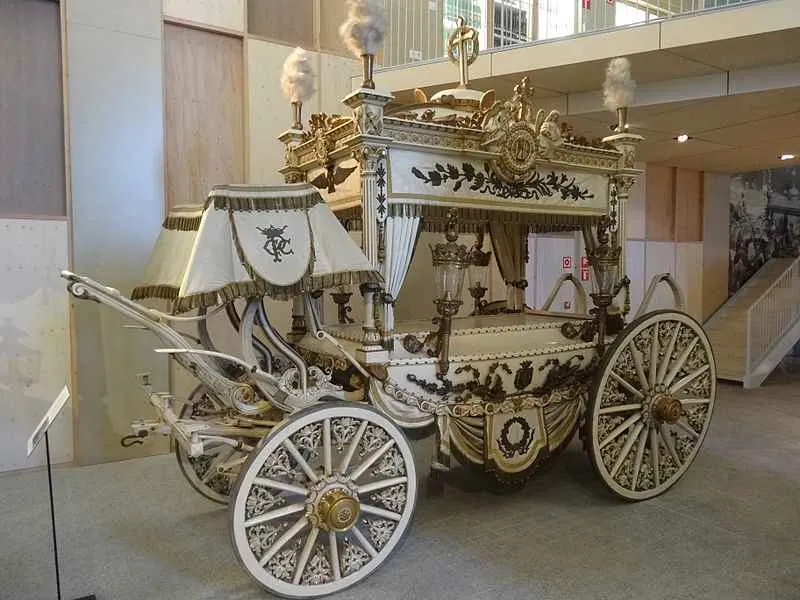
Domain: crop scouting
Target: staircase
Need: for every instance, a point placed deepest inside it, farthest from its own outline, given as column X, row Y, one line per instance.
column 759, row 324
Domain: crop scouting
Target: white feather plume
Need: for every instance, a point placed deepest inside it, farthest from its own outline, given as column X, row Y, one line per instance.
column 618, row 87
column 365, row 27
column 297, row 79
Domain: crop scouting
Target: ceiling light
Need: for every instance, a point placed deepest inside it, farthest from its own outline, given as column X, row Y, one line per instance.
column 682, row 138
column 787, row 156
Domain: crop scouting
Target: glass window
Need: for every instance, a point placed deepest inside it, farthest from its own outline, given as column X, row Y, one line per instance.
column 511, row 22
column 556, row 19
column 473, row 12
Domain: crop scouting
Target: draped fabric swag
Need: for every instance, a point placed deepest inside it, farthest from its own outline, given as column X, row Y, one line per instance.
column 402, row 230
column 510, row 241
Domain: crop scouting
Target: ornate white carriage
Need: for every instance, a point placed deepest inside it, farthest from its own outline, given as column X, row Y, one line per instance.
column 305, row 432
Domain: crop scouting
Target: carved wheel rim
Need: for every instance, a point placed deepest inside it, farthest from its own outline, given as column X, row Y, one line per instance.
column 324, row 500
column 651, row 405
column 202, row 472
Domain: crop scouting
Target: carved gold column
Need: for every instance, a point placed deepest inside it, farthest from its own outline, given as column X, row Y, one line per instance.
column 369, row 149
column 291, row 138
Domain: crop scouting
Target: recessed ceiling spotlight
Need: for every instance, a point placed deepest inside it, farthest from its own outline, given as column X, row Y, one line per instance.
column 787, row 156
column 682, row 138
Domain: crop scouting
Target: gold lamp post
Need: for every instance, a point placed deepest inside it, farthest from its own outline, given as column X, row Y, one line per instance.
column 450, row 261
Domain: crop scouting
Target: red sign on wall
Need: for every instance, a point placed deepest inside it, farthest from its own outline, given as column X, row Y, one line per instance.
column 584, row 262
column 584, row 274
column 566, row 262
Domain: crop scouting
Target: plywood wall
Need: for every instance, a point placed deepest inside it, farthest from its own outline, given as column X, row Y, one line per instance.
column 288, row 21
column 716, row 233
column 204, row 108
column 31, row 114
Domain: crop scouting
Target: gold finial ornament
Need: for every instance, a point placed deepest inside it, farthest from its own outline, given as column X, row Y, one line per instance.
column 462, row 49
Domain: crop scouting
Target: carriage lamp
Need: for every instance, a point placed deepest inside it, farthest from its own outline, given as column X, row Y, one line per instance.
column 604, row 259
column 478, row 273
column 450, row 260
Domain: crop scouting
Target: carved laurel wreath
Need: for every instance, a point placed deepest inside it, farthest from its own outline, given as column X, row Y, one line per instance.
column 536, row 187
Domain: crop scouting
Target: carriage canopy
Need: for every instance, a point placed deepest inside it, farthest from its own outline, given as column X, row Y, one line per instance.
column 250, row 240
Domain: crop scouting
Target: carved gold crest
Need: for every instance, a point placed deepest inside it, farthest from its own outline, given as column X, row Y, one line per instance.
column 511, row 130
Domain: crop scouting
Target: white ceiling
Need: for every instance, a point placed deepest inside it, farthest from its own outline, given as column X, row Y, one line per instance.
column 734, row 133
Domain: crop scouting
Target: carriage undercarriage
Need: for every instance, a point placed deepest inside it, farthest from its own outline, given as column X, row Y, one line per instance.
column 303, row 433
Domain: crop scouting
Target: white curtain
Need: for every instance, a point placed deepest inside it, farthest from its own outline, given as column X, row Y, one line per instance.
column 402, row 230
column 510, row 244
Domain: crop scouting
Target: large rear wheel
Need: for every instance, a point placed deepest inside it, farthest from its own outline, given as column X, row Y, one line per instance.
column 651, row 404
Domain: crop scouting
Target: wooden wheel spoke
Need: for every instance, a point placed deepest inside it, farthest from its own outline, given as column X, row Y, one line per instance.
column 326, row 447
column 301, row 462
column 283, row 540
column 379, row 485
column 637, row 362
column 686, row 401
column 637, row 462
column 364, row 542
column 688, row 429
column 334, row 555
column 680, row 361
column 626, row 385
column 618, row 408
column 304, row 555
column 280, row 485
column 351, row 450
column 652, row 368
column 655, row 457
column 624, row 426
column 370, row 460
column 686, row 380
column 662, row 368
column 271, row 515
column 380, row 512
column 662, row 431
column 626, row 449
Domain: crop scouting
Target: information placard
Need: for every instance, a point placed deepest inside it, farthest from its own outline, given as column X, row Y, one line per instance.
column 47, row 420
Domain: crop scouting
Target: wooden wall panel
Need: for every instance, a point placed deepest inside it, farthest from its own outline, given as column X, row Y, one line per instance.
column 688, row 205
column 204, row 105
column 31, row 109
column 287, row 21
column 716, row 240
column 660, row 206
column 635, row 213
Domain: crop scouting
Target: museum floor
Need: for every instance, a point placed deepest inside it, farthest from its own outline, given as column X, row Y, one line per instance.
column 728, row 530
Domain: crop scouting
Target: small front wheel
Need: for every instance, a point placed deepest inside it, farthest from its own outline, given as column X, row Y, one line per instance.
column 324, row 500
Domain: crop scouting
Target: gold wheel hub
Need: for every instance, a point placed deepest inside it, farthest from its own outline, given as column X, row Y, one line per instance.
column 667, row 409
column 338, row 510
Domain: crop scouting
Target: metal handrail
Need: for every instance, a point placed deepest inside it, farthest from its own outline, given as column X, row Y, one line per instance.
column 677, row 293
column 787, row 312
column 651, row 12
column 581, row 299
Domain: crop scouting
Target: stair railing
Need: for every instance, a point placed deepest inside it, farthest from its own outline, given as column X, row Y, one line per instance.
column 772, row 315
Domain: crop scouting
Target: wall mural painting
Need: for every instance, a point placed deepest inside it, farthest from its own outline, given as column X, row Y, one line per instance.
column 764, row 221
